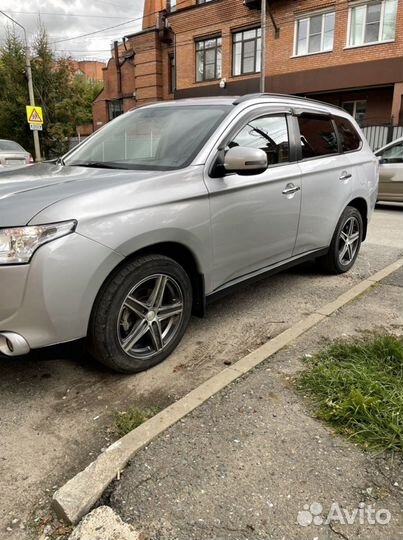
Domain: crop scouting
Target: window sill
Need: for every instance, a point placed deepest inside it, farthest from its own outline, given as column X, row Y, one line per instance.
column 250, row 74
column 311, row 54
column 369, row 44
column 208, row 81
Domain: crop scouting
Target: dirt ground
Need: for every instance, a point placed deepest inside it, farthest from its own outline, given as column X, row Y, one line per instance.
column 56, row 406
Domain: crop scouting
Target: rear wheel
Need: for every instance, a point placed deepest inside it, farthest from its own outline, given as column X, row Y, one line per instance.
column 141, row 314
column 346, row 243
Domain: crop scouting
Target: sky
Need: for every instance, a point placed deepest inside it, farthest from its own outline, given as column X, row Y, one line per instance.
column 66, row 19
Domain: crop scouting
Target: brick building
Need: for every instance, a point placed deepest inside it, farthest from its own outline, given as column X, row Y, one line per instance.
column 349, row 53
column 90, row 69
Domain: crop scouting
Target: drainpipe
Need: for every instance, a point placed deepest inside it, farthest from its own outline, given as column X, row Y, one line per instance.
column 118, row 70
column 263, row 50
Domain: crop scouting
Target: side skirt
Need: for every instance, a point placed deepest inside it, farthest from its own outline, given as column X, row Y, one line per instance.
column 262, row 274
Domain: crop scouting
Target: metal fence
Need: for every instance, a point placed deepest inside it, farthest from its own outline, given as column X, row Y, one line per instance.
column 378, row 136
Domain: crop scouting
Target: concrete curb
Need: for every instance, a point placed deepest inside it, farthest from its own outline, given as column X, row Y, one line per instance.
column 79, row 494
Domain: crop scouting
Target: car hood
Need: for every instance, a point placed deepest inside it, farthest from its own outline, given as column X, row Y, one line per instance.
column 26, row 191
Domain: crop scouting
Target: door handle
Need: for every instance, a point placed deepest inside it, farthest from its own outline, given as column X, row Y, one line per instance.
column 345, row 176
column 290, row 189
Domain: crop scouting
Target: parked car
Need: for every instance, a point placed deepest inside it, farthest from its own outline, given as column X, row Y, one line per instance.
column 169, row 205
column 13, row 155
column 391, row 171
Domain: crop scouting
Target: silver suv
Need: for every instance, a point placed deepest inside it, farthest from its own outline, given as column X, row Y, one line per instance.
column 169, row 204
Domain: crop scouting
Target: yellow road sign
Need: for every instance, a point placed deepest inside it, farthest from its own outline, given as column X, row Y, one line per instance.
column 34, row 115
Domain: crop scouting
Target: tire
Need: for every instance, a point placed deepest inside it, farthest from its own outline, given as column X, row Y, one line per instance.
column 140, row 314
column 340, row 257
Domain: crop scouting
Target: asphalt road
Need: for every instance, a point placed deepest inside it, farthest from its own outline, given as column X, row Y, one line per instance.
column 56, row 407
column 249, row 462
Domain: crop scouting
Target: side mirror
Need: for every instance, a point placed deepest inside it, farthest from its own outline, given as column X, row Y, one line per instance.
column 244, row 161
column 380, row 159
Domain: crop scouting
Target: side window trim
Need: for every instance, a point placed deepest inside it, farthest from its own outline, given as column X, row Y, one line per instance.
column 338, row 136
column 253, row 115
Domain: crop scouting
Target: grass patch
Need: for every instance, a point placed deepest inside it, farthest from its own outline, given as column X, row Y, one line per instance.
column 126, row 421
column 357, row 387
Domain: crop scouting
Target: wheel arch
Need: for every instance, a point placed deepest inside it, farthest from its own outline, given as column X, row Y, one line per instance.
column 183, row 256
column 187, row 259
column 361, row 205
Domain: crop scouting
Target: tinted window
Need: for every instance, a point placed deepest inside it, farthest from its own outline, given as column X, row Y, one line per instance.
column 269, row 133
column 318, row 137
column 349, row 138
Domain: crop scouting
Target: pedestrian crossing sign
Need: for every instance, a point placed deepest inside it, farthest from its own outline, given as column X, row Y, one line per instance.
column 34, row 115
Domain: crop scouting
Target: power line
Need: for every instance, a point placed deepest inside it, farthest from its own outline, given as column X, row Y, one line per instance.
column 114, row 26
column 40, row 13
column 228, row 10
column 92, row 33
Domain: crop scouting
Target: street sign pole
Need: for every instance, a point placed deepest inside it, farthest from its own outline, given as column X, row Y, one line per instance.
column 30, row 85
column 32, row 102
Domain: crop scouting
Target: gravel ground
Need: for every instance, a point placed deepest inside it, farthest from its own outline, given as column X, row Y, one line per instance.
column 250, row 462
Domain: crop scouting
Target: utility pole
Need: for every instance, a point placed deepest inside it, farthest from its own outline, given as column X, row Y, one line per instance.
column 30, row 85
column 263, row 48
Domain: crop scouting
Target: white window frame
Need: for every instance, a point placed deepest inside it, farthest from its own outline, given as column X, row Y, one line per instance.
column 355, row 102
column 382, row 19
column 308, row 16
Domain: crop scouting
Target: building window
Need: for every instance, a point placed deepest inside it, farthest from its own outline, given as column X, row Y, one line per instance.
column 115, row 108
column 373, row 22
column 315, row 34
column 246, row 51
column 208, row 59
column 357, row 109
column 171, row 74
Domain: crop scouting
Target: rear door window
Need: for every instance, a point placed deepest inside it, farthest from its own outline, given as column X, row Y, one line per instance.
column 318, row 137
column 349, row 138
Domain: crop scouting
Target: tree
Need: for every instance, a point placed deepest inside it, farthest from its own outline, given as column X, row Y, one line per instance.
column 65, row 98
column 13, row 93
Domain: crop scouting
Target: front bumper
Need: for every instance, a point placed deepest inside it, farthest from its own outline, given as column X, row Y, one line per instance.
column 50, row 300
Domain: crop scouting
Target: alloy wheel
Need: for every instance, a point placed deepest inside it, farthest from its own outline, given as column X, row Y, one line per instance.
column 349, row 240
column 150, row 316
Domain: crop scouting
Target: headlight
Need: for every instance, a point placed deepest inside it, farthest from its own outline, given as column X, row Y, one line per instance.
column 18, row 244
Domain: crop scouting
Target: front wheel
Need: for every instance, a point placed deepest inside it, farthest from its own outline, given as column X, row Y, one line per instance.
column 346, row 243
column 141, row 314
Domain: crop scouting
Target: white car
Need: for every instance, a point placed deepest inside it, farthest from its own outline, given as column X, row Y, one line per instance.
column 13, row 155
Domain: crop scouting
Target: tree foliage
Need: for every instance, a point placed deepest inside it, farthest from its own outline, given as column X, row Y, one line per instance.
column 66, row 98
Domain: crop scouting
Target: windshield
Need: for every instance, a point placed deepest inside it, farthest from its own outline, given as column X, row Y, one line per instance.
column 10, row 146
column 151, row 138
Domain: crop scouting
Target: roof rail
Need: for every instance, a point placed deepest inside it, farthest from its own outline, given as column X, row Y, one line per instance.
column 247, row 97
